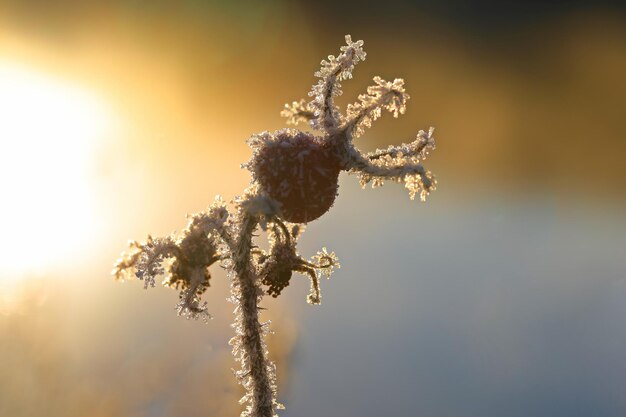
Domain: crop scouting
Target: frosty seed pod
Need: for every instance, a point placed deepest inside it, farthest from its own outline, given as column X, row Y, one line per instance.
column 298, row 170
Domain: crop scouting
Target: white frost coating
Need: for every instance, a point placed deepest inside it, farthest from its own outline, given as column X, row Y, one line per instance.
column 211, row 220
column 415, row 177
column 145, row 260
column 386, row 95
column 336, row 69
column 190, row 305
column 298, row 111
column 416, row 150
column 257, row 373
column 183, row 262
column 261, row 206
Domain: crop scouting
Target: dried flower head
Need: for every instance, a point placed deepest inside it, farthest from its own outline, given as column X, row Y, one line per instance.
column 294, row 181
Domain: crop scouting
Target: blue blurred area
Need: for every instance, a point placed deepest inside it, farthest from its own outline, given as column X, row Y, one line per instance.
column 494, row 307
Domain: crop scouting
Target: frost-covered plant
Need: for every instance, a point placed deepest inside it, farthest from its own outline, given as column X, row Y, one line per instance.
column 294, row 181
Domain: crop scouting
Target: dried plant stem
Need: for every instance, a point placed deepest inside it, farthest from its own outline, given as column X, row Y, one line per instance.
column 294, row 181
column 247, row 293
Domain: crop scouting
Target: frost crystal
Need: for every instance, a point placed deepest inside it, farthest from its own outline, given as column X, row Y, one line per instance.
column 183, row 262
column 386, row 95
column 298, row 111
column 336, row 69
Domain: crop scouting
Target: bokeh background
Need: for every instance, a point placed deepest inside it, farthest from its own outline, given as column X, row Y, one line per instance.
column 503, row 295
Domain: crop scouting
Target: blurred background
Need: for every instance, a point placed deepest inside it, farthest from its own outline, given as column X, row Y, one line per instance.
column 503, row 295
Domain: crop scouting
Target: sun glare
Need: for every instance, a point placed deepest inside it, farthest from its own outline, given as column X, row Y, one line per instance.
column 49, row 130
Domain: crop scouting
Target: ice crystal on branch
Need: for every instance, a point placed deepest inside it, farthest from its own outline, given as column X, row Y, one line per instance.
column 298, row 111
column 183, row 262
column 294, row 181
column 277, row 266
column 415, row 151
column 384, row 95
column 333, row 71
column 145, row 260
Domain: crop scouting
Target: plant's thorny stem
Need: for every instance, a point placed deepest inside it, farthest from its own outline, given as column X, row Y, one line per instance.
column 294, row 181
column 256, row 372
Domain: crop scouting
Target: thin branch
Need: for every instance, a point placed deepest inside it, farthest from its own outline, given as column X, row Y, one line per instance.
column 249, row 346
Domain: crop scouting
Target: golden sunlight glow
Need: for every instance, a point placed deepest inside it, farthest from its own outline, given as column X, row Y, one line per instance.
column 48, row 132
